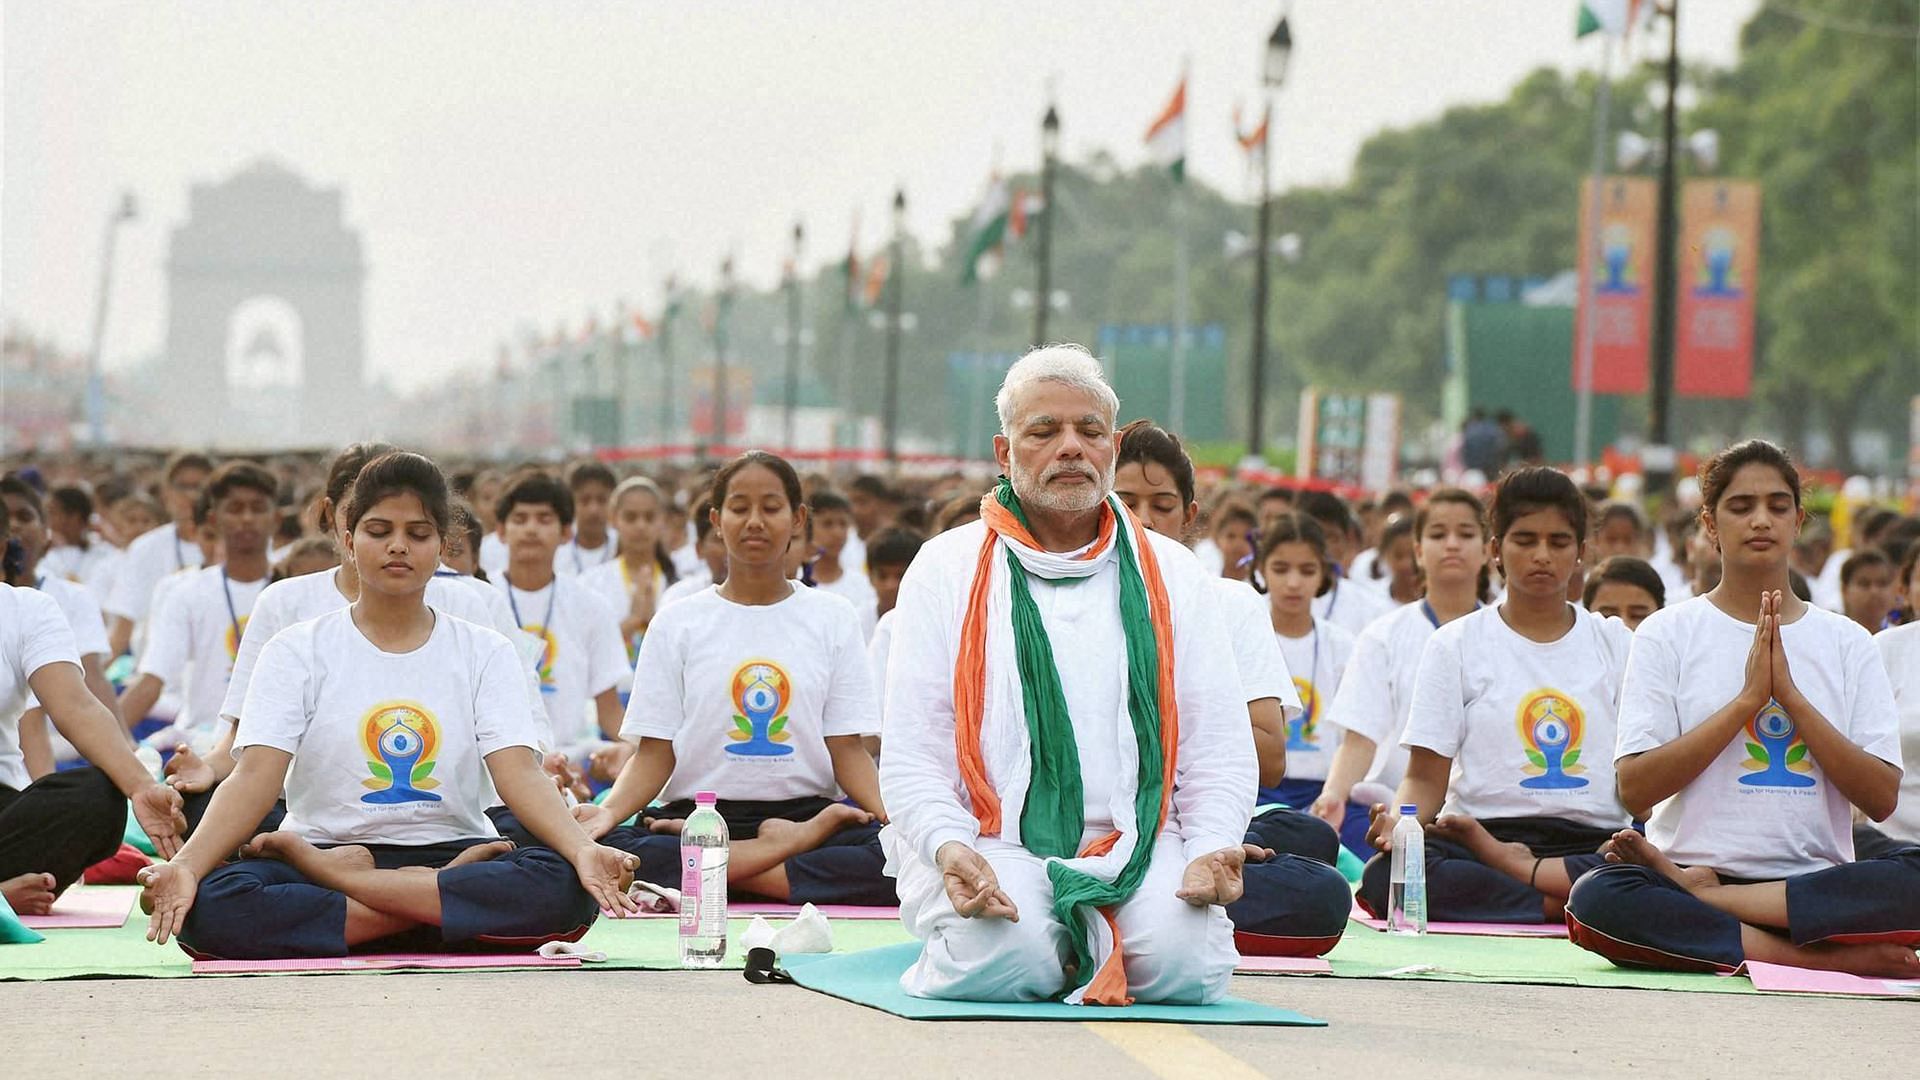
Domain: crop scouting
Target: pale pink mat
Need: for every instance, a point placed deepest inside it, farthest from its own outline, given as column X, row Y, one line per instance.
column 385, row 961
column 788, row 911
column 1284, row 965
column 1794, row 980
column 84, row 908
column 1471, row 929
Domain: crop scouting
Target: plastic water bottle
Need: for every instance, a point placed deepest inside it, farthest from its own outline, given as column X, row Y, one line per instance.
column 1407, row 895
column 703, row 885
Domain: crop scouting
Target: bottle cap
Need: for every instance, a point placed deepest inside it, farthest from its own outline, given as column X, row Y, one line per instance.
column 704, row 798
column 1408, row 809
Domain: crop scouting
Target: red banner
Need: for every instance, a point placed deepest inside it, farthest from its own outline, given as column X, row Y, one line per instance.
column 1616, row 282
column 1719, row 269
column 739, row 400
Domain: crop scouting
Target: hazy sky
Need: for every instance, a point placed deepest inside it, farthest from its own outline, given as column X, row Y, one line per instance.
column 511, row 162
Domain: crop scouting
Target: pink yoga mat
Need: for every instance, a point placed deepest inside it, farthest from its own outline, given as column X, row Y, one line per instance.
column 1284, row 965
column 1472, row 929
column 385, row 961
column 1793, row 980
column 86, row 909
column 788, row 911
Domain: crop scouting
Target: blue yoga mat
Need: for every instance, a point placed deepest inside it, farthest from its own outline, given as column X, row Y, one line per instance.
column 872, row 978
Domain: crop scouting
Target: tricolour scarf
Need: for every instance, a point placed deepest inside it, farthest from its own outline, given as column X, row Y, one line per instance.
column 1087, row 885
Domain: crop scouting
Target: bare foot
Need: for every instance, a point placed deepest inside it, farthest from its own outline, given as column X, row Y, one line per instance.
column 1628, row 846
column 325, row 866
column 809, row 834
column 29, row 894
column 1882, row 960
column 1511, row 858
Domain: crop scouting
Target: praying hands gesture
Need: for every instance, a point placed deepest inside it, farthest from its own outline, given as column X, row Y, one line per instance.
column 1757, row 688
column 972, row 885
column 1214, row 878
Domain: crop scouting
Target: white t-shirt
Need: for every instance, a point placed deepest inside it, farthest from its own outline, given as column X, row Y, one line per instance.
column 879, row 654
column 688, row 585
column 1318, row 660
column 1900, row 651
column 82, row 614
column 581, row 654
column 1208, row 552
column 150, row 557
column 493, row 555
column 749, row 694
column 93, row 568
column 33, row 634
column 687, row 562
column 1377, row 692
column 194, row 638
column 1826, row 587
column 1351, row 605
column 1263, row 668
column 855, row 589
column 571, row 558
column 1529, row 725
column 1763, row 808
column 388, row 748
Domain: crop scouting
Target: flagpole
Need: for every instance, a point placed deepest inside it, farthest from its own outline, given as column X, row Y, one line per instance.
column 983, row 329
column 1177, row 406
column 666, row 369
column 1603, row 101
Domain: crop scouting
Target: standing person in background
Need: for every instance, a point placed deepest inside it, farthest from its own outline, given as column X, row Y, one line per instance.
column 1483, row 445
column 1523, row 443
column 832, row 521
column 591, row 485
column 1866, row 589
column 1376, row 693
column 78, row 554
column 159, row 552
column 1752, row 725
column 582, row 658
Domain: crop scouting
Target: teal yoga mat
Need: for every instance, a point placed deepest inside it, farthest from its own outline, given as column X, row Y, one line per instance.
column 12, row 930
column 872, row 978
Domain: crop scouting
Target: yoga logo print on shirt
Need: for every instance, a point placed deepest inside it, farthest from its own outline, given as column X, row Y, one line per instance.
column 401, row 741
column 1303, row 731
column 235, row 630
column 1551, row 727
column 549, row 655
column 761, row 692
column 1776, row 756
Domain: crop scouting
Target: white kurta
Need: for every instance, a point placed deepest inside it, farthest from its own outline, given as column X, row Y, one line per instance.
column 1175, row 952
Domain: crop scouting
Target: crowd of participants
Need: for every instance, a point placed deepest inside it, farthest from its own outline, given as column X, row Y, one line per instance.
column 1681, row 736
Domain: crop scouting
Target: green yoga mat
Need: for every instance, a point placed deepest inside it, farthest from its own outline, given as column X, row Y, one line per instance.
column 124, row 952
column 12, row 930
column 872, row 978
column 1365, row 953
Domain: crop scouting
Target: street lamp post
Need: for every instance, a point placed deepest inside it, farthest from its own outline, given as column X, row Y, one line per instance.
column 124, row 212
column 1273, row 73
column 666, row 363
column 1049, row 151
column 793, row 336
column 1659, row 458
column 897, row 271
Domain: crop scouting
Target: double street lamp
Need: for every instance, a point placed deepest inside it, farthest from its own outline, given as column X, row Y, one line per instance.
column 122, row 213
column 897, row 272
column 1049, row 153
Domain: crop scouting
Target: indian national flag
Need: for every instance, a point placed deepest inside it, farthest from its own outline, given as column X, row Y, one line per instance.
column 878, row 269
column 1615, row 18
column 850, row 267
column 1167, row 138
column 988, row 229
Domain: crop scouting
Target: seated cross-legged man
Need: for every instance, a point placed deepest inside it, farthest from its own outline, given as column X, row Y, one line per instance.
column 1068, row 759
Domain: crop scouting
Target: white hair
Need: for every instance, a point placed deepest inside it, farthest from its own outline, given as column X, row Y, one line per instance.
column 1069, row 364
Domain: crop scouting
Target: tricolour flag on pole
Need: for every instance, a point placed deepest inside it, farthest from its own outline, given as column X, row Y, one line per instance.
column 1616, row 18
column 988, row 229
column 850, row 268
column 1167, row 138
column 877, row 270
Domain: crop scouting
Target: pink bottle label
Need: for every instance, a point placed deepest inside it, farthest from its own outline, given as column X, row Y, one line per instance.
column 690, row 890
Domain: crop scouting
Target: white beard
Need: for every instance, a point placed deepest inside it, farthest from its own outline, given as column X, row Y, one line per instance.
column 1034, row 491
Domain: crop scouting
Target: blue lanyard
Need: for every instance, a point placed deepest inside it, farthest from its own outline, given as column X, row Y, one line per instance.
column 1333, row 597
column 579, row 566
column 179, row 552
column 552, row 597
column 1426, row 606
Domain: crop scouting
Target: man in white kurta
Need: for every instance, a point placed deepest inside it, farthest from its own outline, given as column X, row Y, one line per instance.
column 980, row 900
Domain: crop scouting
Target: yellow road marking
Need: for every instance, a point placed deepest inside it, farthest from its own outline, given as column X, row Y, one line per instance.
column 1174, row 1053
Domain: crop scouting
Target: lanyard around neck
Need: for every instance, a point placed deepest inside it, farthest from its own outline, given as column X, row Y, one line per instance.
column 1426, row 607
column 552, row 598
column 233, row 613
